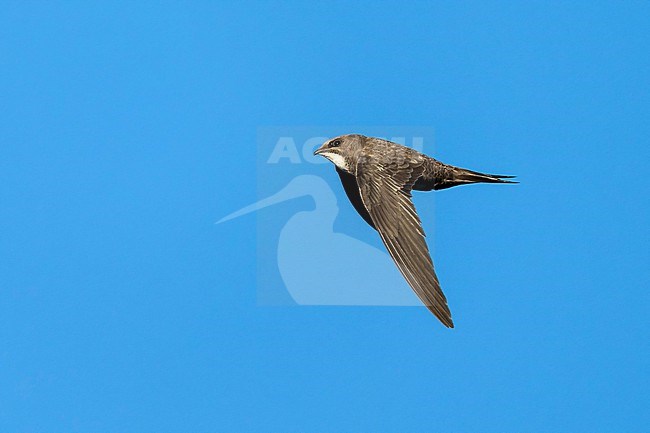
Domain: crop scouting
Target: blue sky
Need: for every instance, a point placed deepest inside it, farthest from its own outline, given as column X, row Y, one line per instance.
column 128, row 128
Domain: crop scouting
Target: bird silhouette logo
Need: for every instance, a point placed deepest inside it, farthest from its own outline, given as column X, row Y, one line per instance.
column 363, row 275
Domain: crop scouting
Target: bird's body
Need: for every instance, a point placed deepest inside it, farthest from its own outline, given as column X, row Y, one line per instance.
column 378, row 177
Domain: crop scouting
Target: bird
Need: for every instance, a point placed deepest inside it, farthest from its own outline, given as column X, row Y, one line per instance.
column 378, row 177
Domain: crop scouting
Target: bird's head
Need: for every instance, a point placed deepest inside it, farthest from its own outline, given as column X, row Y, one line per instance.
column 343, row 151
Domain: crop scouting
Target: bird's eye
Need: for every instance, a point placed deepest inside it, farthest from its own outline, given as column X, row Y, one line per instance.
column 335, row 143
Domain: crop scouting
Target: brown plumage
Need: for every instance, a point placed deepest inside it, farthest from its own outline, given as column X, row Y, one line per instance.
column 378, row 177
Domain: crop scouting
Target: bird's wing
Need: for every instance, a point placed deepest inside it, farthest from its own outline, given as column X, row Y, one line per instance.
column 385, row 187
column 351, row 188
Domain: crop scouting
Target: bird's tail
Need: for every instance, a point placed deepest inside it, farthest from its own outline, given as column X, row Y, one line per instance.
column 462, row 176
column 469, row 176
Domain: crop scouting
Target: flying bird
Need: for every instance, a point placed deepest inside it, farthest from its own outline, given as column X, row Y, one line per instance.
column 378, row 177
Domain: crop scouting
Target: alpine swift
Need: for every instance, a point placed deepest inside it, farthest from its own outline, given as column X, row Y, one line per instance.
column 378, row 177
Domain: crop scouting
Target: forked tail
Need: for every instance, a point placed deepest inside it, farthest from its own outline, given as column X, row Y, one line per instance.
column 461, row 176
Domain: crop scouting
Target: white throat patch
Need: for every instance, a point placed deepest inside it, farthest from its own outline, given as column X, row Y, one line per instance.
column 337, row 159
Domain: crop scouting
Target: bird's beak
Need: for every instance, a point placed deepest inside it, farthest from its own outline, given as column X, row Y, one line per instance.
column 276, row 198
column 287, row 193
column 320, row 150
